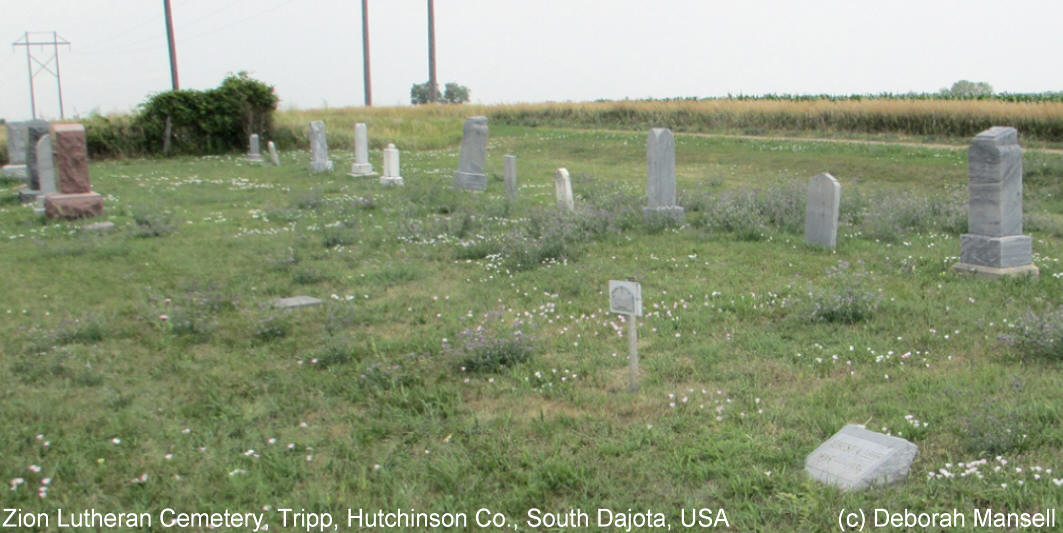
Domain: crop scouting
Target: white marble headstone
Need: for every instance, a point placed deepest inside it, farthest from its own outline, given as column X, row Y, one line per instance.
column 361, row 165
column 254, row 149
column 856, row 458
column 509, row 169
column 391, row 174
column 821, row 211
column 319, row 161
column 563, row 190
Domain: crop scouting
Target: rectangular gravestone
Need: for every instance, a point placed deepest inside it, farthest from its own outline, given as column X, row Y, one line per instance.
column 361, row 165
column 563, row 190
column 254, row 149
column 45, row 171
column 16, row 151
column 319, row 161
column 660, row 172
column 994, row 244
column 75, row 198
column 295, row 301
column 821, row 211
column 35, row 129
column 391, row 174
column 625, row 297
column 509, row 168
column 473, row 157
column 856, row 458
column 273, row 157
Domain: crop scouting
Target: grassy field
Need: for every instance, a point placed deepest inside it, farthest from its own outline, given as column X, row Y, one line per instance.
column 465, row 358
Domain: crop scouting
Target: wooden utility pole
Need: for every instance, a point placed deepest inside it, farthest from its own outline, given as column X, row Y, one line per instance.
column 433, row 82
column 365, row 54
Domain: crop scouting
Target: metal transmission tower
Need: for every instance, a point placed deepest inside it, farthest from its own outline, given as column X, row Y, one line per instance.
column 44, row 65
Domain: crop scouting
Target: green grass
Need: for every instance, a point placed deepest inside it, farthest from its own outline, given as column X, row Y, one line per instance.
column 143, row 352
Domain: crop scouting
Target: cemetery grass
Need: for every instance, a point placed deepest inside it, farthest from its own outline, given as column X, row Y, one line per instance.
column 145, row 368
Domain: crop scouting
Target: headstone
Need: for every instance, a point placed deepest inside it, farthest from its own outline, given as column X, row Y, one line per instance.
column 319, row 161
column 295, row 301
column 254, row 151
column 473, row 156
column 35, row 129
column 509, row 167
column 16, row 152
column 273, row 157
column 563, row 190
column 660, row 163
column 994, row 244
column 391, row 167
column 856, row 458
column 625, row 298
column 821, row 211
column 75, row 198
column 361, row 165
column 45, row 171
column 98, row 227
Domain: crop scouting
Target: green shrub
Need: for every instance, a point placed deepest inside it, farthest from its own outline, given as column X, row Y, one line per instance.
column 848, row 299
column 492, row 345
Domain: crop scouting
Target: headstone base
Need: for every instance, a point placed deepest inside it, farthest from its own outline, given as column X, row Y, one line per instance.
column 321, row 167
column 27, row 195
column 361, row 169
column 295, row 301
column 673, row 213
column 989, row 272
column 391, row 181
column 996, row 252
column 470, row 181
column 73, row 206
column 17, row 172
column 254, row 158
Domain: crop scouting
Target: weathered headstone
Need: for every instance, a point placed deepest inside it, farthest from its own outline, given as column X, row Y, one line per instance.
column 473, row 156
column 296, row 301
column 821, row 211
column 625, row 298
column 361, row 165
column 391, row 174
column 75, row 198
column 856, row 458
column 273, row 157
column 35, row 129
column 16, row 152
column 254, row 150
column 45, row 171
column 509, row 169
column 994, row 244
column 563, row 190
column 319, row 161
column 660, row 163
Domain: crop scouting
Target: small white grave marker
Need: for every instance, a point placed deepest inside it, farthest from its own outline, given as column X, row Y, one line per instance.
column 625, row 298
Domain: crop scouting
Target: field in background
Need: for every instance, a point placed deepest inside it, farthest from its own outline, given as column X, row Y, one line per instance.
column 145, row 368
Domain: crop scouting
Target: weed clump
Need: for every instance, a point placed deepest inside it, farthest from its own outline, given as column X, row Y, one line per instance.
column 1038, row 334
column 848, row 299
column 491, row 345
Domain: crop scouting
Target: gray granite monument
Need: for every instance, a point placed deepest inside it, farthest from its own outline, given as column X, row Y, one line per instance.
column 821, row 211
column 16, row 152
column 856, row 458
column 563, row 190
column 35, row 129
column 660, row 188
column 509, row 168
column 994, row 245
column 361, row 165
column 296, row 301
column 319, row 161
column 391, row 174
column 473, row 157
column 254, row 150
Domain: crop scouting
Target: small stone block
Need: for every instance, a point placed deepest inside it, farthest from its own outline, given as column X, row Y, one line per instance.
column 98, row 227
column 27, row 195
column 296, row 301
column 15, row 172
column 987, row 272
column 856, row 458
column 673, row 213
column 73, row 206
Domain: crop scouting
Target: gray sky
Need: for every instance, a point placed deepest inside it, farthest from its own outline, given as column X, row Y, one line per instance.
column 509, row 51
